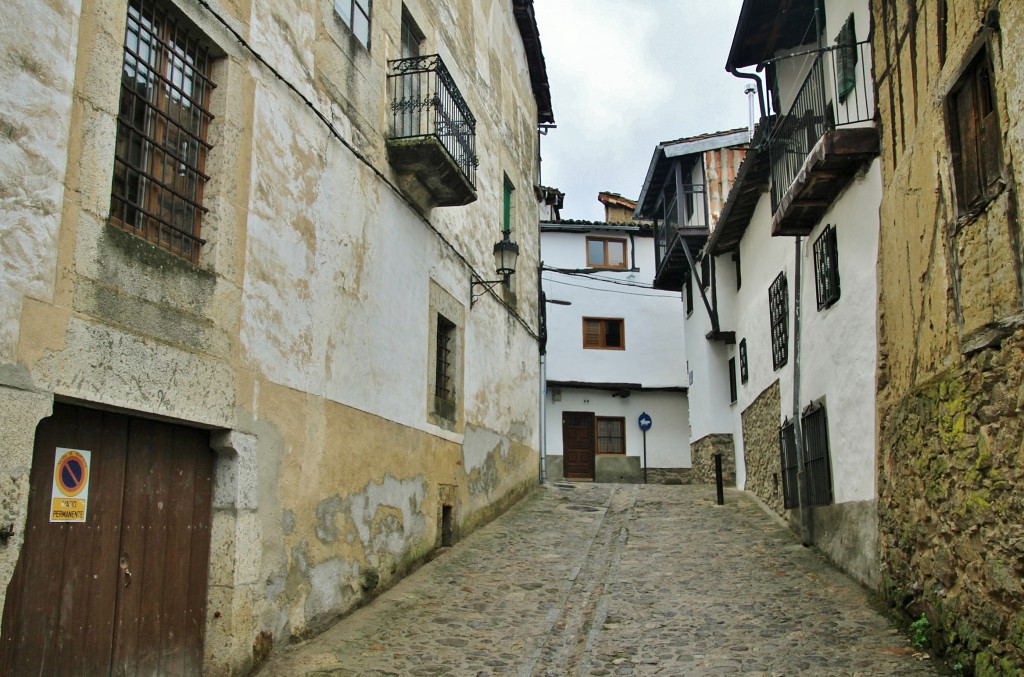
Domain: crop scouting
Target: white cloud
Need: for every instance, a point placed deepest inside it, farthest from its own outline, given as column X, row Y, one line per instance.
column 624, row 79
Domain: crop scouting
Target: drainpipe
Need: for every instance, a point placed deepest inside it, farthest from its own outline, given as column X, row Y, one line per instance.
column 806, row 532
column 542, row 474
column 760, row 88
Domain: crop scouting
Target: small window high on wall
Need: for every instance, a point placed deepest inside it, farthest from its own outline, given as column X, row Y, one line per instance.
column 975, row 140
column 606, row 252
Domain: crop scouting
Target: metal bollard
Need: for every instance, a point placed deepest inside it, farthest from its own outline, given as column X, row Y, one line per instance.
column 718, row 479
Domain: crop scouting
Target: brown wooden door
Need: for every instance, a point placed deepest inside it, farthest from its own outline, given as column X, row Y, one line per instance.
column 123, row 593
column 578, row 444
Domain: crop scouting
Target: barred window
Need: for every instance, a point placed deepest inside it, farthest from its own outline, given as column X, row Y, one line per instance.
column 790, row 467
column 744, row 373
column 444, row 382
column 826, row 268
column 162, row 124
column 778, row 310
column 817, row 464
column 611, row 435
column 733, row 389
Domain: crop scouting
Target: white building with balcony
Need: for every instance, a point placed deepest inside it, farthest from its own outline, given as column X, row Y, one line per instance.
column 783, row 354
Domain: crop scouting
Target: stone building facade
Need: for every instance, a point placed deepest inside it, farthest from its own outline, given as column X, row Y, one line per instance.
column 950, row 79
column 236, row 226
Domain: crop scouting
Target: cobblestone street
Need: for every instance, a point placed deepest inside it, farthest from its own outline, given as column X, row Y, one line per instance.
column 598, row 579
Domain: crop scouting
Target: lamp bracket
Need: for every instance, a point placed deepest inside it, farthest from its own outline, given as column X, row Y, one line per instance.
column 487, row 285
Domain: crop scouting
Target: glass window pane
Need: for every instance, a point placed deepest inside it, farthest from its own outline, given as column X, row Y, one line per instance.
column 361, row 27
column 344, row 10
column 595, row 252
column 613, row 334
column 617, row 254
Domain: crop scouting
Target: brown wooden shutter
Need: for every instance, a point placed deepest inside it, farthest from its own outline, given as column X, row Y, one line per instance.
column 591, row 333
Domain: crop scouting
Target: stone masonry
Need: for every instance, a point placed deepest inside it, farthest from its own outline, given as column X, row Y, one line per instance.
column 761, row 447
column 951, row 501
column 606, row 579
column 702, row 455
column 950, row 324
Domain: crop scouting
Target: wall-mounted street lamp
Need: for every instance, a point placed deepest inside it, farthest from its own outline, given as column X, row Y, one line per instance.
column 506, row 253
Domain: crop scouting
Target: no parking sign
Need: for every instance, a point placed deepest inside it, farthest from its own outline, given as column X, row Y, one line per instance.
column 70, row 494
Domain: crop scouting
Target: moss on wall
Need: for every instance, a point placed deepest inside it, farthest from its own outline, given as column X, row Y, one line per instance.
column 951, row 502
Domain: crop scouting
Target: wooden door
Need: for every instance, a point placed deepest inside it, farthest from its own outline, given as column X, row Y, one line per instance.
column 123, row 593
column 578, row 444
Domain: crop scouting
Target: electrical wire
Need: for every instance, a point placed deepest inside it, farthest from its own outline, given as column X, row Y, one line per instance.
column 364, row 160
column 614, row 291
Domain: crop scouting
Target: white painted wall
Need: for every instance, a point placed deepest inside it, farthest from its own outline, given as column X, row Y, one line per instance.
column 667, row 445
column 839, row 349
column 838, row 345
column 654, row 354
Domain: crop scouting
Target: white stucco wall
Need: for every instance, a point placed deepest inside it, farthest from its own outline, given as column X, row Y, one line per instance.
column 667, row 445
column 654, row 355
column 838, row 345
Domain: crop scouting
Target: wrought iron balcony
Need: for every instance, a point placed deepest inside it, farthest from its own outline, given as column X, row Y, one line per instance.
column 433, row 132
column 824, row 138
column 671, row 236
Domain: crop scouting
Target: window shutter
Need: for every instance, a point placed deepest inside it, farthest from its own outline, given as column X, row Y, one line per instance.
column 967, row 128
column 591, row 333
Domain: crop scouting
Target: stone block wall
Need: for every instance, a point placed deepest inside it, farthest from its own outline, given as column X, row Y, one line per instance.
column 951, row 503
column 670, row 475
column 761, row 447
column 702, row 456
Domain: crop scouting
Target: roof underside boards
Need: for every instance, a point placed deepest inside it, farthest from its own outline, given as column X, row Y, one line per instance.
column 616, row 386
column 570, row 226
column 768, row 26
column 527, row 22
column 751, row 181
column 667, row 151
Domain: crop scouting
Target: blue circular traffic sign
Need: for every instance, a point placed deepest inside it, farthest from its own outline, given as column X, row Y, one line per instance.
column 645, row 421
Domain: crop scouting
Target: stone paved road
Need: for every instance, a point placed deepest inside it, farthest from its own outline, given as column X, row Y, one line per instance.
column 599, row 579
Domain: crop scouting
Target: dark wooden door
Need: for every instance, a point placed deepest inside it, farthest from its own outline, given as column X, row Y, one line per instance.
column 578, row 444
column 123, row 593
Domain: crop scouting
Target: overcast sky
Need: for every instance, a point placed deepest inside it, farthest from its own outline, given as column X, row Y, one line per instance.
column 625, row 75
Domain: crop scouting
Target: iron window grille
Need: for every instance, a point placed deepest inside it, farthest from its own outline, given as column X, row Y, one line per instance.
column 162, row 123
column 604, row 334
column 976, row 142
column 426, row 103
column 826, row 268
column 817, row 464
column 733, row 390
column 444, row 386
column 356, row 15
column 790, row 466
column 744, row 374
column 611, row 435
column 778, row 311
